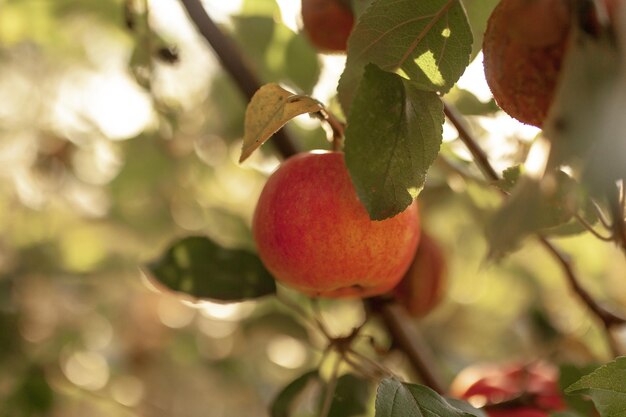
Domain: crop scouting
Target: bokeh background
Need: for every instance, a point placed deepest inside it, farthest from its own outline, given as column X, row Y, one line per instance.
column 119, row 132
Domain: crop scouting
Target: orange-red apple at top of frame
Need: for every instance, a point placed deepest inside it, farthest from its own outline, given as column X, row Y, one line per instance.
column 314, row 234
column 328, row 24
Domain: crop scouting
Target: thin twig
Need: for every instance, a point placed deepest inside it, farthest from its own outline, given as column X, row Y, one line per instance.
column 607, row 318
column 616, row 206
column 383, row 370
column 602, row 215
column 468, row 139
column 367, row 373
column 330, row 389
column 589, row 227
column 409, row 339
column 313, row 322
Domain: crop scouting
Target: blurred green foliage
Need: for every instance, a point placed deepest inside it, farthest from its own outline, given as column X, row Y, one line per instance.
column 105, row 158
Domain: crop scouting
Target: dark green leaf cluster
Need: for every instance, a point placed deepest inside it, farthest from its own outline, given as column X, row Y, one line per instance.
column 199, row 267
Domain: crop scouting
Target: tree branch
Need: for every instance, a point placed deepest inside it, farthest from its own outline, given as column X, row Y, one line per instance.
column 616, row 207
column 480, row 157
column 607, row 318
column 230, row 58
column 409, row 340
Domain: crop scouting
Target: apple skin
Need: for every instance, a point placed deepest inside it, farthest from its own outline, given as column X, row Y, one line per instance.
column 489, row 385
column 328, row 24
column 314, row 235
column 422, row 287
column 523, row 60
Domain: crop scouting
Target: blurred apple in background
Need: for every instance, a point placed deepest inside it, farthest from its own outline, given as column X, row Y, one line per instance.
column 328, row 24
column 423, row 285
column 511, row 390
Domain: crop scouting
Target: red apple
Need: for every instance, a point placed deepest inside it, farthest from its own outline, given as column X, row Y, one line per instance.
column 613, row 8
column 313, row 233
column 511, row 390
column 422, row 287
column 524, row 46
column 327, row 23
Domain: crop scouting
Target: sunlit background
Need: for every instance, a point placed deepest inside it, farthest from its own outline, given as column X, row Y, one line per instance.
column 108, row 152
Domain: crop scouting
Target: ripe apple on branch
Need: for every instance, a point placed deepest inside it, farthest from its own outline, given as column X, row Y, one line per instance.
column 345, row 223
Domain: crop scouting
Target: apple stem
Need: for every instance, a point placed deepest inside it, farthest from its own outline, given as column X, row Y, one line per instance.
column 607, row 318
column 337, row 128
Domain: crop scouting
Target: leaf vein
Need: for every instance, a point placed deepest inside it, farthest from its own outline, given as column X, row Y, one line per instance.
column 436, row 17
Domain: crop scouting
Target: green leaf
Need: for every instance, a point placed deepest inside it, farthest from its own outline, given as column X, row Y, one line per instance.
column 586, row 122
column 465, row 406
column 359, row 6
column 398, row 399
column 393, row 135
column 533, row 206
column 351, row 396
column 254, row 35
column 198, row 267
column 9, row 335
column 284, row 401
column 276, row 53
column 302, row 66
column 568, row 374
column 468, row 104
column 607, row 388
column 510, row 177
column 478, row 12
column 428, row 42
column 33, row 395
column 270, row 109
column 260, row 8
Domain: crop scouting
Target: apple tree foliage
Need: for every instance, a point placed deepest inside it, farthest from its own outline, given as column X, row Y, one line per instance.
column 159, row 196
column 403, row 59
